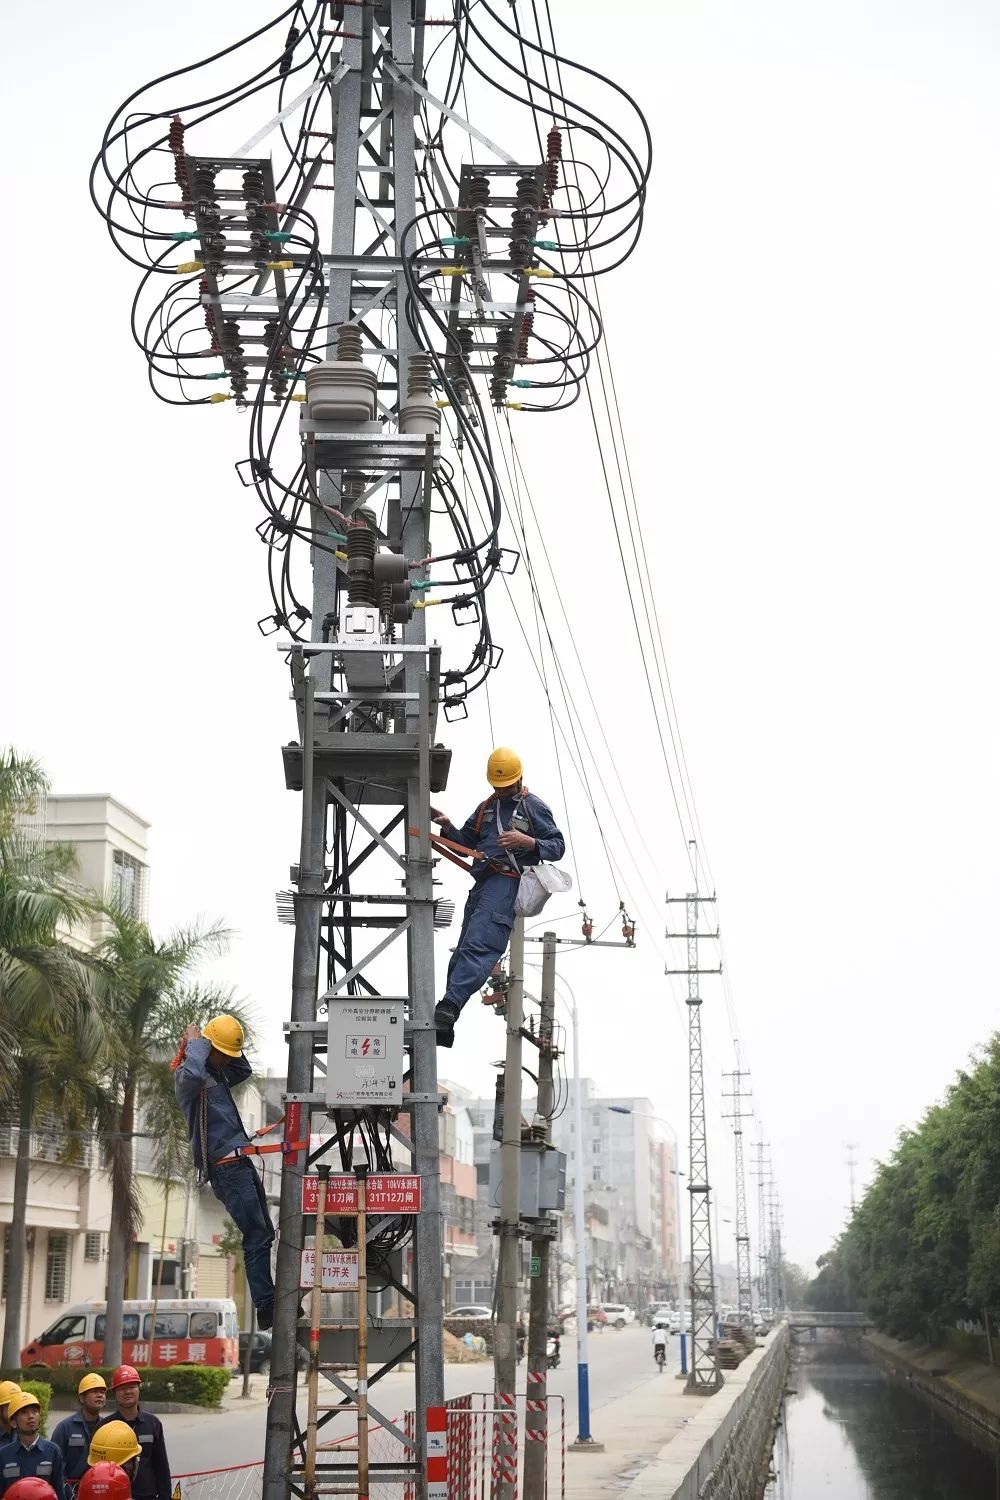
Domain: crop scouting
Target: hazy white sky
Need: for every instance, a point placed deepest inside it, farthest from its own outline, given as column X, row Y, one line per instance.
column 805, row 347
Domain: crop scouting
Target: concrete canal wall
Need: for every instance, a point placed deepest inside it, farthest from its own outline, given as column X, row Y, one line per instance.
column 723, row 1453
column 968, row 1388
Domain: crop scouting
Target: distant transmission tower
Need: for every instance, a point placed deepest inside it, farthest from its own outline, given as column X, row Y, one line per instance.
column 705, row 1375
column 741, row 1112
column 852, row 1162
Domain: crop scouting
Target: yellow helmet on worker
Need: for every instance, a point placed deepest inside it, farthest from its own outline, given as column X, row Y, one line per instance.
column 114, row 1443
column 8, row 1390
column 20, row 1402
column 91, row 1382
column 225, row 1033
column 504, row 767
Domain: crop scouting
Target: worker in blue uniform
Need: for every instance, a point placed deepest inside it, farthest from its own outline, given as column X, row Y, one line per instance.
column 74, row 1434
column 512, row 829
column 112, row 1444
column 28, row 1456
column 208, row 1066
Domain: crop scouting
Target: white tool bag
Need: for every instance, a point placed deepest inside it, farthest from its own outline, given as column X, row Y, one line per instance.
column 537, row 884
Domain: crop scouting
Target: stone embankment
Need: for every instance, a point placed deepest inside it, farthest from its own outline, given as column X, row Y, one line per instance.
column 723, row 1452
column 967, row 1387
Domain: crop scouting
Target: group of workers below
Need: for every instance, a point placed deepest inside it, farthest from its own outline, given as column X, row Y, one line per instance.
column 91, row 1455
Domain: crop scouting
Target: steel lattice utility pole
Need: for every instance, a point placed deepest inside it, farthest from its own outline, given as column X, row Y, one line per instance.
column 392, row 744
column 852, row 1162
column 704, row 1375
column 761, row 1171
column 739, row 1114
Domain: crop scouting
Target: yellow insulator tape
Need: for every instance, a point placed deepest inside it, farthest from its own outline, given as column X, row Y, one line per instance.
column 218, row 397
column 187, row 266
column 442, row 404
column 452, row 271
column 540, row 271
column 427, row 603
column 283, row 265
column 297, row 396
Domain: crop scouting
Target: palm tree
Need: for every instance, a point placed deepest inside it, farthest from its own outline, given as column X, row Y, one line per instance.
column 149, row 1004
column 47, row 992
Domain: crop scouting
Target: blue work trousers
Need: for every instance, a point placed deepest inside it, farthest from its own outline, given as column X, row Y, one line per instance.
column 238, row 1189
column 489, row 916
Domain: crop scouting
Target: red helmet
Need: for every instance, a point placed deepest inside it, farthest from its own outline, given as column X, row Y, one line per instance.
column 125, row 1375
column 33, row 1488
column 103, row 1481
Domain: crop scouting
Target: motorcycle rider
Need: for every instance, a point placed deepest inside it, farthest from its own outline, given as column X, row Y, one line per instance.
column 660, row 1335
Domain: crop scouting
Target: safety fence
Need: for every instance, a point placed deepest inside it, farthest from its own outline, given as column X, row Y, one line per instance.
column 483, row 1447
column 479, row 1436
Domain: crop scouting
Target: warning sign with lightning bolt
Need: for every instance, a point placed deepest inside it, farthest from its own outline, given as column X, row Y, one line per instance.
column 365, row 1046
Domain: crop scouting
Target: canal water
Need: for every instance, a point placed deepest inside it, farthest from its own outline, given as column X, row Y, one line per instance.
column 851, row 1433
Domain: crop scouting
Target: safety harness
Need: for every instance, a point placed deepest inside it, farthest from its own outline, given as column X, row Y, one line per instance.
column 287, row 1146
column 453, row 851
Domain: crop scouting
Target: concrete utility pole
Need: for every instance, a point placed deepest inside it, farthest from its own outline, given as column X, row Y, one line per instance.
column 704, row 1375
column 536, row 1419
column 509, row 1257
column 740, row 1113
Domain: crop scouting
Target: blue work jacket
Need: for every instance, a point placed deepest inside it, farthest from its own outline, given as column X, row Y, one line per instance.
column 43, row 1459
column 497, row 815
column 152, row 1481
column 72, row 1437
column 225, row 1128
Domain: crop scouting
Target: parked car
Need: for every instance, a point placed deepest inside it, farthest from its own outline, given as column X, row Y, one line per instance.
column 475, row 1311
column 617, row 1314
column 260, row 1354
column 596, row 1318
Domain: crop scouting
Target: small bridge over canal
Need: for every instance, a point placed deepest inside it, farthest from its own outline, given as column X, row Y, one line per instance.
column 855, row 1321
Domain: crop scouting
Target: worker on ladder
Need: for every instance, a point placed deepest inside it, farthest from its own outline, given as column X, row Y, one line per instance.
column 511, row 830
column 209, row 1064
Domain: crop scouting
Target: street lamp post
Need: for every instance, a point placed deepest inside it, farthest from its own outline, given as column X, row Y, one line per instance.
column 585, row 1442
column 623, row 1109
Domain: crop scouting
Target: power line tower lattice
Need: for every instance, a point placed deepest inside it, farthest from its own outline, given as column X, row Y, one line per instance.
column 704, row 1374
column 740, row 1098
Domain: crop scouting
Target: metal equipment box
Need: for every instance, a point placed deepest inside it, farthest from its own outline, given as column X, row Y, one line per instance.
column 364, row 1059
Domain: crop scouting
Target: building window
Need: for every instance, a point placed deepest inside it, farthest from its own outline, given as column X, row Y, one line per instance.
column 93, row 1245
column 57, row 1267
column 595, row 1147
column 596, row 1177
column 595, row 1117
column 128, row 882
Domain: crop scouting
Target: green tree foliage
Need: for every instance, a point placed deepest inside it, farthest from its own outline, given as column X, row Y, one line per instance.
column 922, row 1249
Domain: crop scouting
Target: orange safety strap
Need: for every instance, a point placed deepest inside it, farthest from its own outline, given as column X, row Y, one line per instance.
column 251, row 1150
column 450, row 849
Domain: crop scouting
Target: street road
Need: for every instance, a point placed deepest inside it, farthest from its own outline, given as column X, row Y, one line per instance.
column 619, row 1361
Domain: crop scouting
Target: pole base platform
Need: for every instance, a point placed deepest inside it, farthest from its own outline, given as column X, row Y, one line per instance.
column 585, row 1445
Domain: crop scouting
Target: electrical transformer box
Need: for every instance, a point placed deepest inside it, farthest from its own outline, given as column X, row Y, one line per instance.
column 543, row 1180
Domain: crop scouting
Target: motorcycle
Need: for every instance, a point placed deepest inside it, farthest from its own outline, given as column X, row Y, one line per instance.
column 552, row 1352
column 660, row 1355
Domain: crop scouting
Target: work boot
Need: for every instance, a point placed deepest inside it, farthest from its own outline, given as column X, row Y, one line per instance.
column 445, row 1016
column 265, row 1316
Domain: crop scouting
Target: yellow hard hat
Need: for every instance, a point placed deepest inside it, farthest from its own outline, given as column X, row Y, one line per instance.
column 114, row 1443
column 20, row 1402
column 226, row 1033
column 92, row 1382
column 503, row 767
column 8, row 1389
